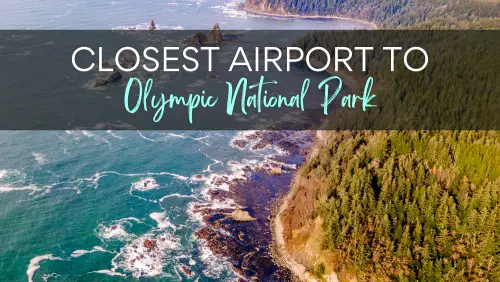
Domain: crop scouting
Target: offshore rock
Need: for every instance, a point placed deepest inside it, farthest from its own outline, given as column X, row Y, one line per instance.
column 112, row 78
column 152, row 25
column 215, row 35
column 186, row 270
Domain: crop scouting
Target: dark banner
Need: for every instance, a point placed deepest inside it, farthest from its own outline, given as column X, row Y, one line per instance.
column 380, row 80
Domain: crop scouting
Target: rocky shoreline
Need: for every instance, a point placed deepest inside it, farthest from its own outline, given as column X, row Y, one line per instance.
column 242, row 232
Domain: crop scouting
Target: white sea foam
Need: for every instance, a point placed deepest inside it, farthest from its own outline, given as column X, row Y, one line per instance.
column 114, row 134
column 94, row 179
column 39, row 158
column 215, row 265
column 145, row 184
column 12, row 174
column 33, row 188
column 197, row 83
column 144, row 262
column 177, row 195
column 79, row 253
column 162, row 220
column 199, row 139
column 117, row 230
column 109, row 272
column 209, row 167
column 46, row 277
column 230, row 9
column 35, row 264
column 145, row 26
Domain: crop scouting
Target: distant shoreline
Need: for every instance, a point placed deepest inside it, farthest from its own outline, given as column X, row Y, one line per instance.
column 311, row 17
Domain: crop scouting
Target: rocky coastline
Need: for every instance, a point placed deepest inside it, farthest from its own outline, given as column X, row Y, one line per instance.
column 242, row 233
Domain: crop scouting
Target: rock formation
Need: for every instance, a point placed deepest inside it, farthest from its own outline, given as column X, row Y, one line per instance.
column 240, row 215
column 114, row 77
column 215, row 35
column 186, row 270
column 149, row 244
column 152, row 25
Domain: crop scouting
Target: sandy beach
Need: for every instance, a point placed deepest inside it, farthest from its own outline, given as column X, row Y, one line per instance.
column 310, row 17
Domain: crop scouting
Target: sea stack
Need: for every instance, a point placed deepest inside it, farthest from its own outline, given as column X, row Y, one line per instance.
column 152, row 25
column 215, row 35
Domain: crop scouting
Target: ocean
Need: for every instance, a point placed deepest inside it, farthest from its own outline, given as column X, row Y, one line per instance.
column 80, row 205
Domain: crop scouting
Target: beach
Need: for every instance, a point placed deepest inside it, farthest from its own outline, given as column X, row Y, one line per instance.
column 368, row 25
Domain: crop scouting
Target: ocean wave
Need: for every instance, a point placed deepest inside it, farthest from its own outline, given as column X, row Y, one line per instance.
column 32, row 188
column 79, row 253
column 79, row 134
column 109, row 272
column 94, row 179
column 117, row 230
column 215, row 266
column 35, row 264
column 114, row 134
column 230, row 9
column 162, row 220
column 145, row 184
column 11, row 173
column 147, row 255
column 39, row 158
column 145, row 26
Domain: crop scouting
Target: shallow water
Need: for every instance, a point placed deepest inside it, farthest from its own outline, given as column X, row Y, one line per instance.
column 77, row 205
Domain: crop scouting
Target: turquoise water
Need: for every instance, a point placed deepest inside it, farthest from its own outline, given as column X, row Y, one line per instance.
column 77, row 205
column 61, row 193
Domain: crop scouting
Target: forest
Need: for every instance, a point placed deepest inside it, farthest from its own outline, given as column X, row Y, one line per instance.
column 403, row 205
column 458, row 14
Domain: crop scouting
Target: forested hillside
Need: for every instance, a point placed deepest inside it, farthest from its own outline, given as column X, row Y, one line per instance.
column 400, row 205
column 393, row 13
column 404, row 205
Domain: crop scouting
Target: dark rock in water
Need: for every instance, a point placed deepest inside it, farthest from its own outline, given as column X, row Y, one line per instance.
column 128, row 59
column 240, row 143
column 112, row 78
column 149, row 244
column 198, row 39
column 106, row 64
column 186, row 270
column 262, row 144
column 152, row 25
column 259, row 263
column 215, row 35
column 219, row 194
